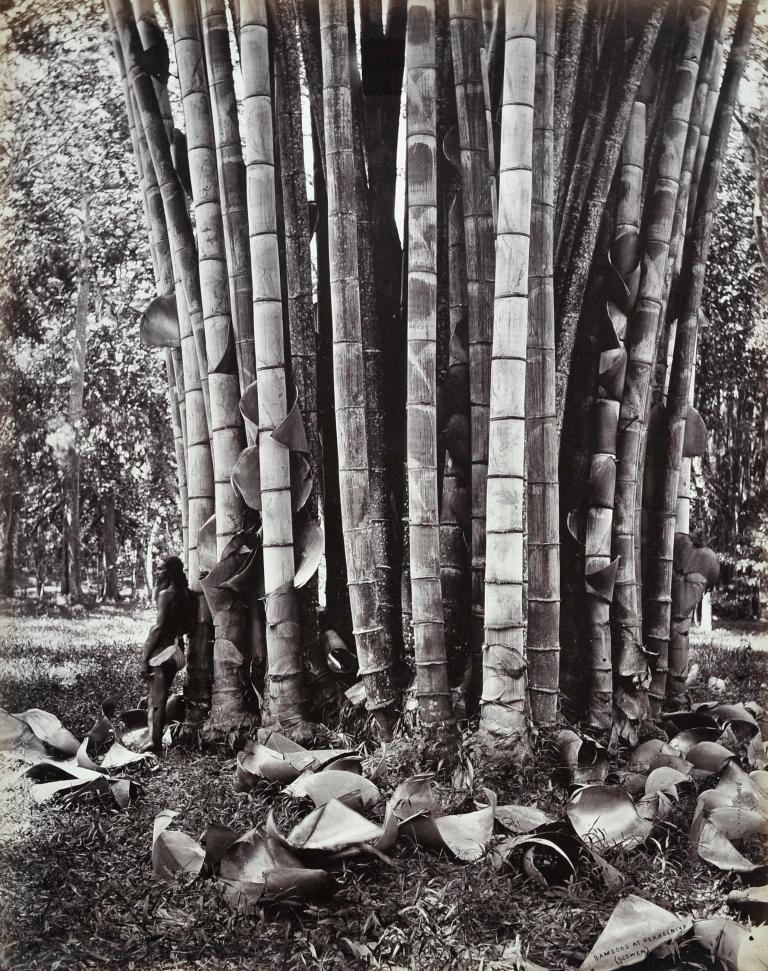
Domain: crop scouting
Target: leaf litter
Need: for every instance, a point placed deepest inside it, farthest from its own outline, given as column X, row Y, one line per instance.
column 186, row 917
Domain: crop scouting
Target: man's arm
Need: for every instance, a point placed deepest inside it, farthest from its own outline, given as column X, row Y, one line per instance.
column 158, row 632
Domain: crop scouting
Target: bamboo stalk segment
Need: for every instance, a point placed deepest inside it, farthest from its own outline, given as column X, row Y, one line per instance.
column 321, row 690
column 542, row 496
column 421, row 399
column 158, row 166
column 163, row 271
column 629, row 656
column 375, row 661
column 479, row 249
column 226, row 425
column 227, row 432
column 231, row 177
column 503, row 705
column 454, row 509
column 283, row 690
column 611, row 379
column 683, row 362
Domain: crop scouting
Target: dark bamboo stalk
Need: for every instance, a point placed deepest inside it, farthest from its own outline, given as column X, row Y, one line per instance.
column 692, row 287
column 354, row 470
column 541, row 431
column 629, row 657
column 479, row 250
column 573, row 278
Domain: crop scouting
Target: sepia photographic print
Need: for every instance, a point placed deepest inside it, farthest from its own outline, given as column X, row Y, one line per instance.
column 383, row 485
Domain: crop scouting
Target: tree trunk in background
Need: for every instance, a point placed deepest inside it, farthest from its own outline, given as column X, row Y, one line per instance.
column 504, row 700
column 109, row 543
column 350, row 393
column 542, row 496
column 72, row 585
column 8, row 527
column 421, row 399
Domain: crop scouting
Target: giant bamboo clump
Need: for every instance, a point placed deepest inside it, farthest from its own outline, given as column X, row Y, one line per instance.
column 508, row 355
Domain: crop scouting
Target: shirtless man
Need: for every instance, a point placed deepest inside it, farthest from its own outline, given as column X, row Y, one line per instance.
column 163, row 652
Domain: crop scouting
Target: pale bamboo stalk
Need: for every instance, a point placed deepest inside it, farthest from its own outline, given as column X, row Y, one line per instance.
column 194, row 463
column 683, row 362
column 504, row 701
column 158, row 166
column 227, row 432
column 283, row 688
column 231, row 175
column 147, row 27
column 375, row 661
column 542, row 495
column 421, row 398
column 630, row 658
column 163, row 273
column 226, row 423
column 466, row 26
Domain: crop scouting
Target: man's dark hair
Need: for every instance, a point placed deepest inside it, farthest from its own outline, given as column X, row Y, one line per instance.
column 174, row 574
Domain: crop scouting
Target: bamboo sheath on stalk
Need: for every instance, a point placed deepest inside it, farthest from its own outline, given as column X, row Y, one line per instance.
column 424, row 527
column 184, row 258
column 709, row 73
column 683, row 361
column 479, row 249
column 374, row 658
column 163, row 273
column 571, row 280
column 194, row 463
column 319, row 686
column 231, row 178
column 385, row 572
column 541, row 431
column 147, row 31
column 503, row 705
column 600, row 570
column 227, row 433
column 282, row 696
column 629, row 656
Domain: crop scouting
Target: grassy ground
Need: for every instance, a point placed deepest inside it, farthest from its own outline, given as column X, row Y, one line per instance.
column 78, row 891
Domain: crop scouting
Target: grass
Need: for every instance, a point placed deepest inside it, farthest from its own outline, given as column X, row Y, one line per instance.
column 78, row 890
